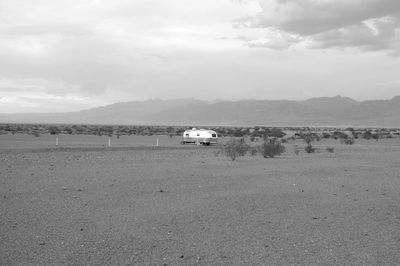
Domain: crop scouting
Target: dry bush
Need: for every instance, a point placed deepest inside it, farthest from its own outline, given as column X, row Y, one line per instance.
column 272, row 148
column 348, row 141
column 253, row 151
column 235, row 148
column 330, row 149
column 309, row 148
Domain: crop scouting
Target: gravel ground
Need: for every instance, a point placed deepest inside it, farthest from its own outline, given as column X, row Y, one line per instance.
column 172, row 206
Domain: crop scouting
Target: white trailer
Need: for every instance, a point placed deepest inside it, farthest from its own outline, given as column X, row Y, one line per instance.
column 200, row 136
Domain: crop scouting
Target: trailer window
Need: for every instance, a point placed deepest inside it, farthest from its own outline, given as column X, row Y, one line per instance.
column 187, row 135
column 198, row 134
column 214, row 135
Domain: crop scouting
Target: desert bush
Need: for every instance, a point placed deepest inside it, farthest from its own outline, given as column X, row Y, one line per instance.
column 53, row 130
column 326, row 135
column 309, row 137
column 253, row 151
column 272, row 148
column 367, row 134
column 35, row 134
column 276, row 133
column 339, row 135
column 235, row 148
column 309, row 148
column 330, row 149
column 348, row 141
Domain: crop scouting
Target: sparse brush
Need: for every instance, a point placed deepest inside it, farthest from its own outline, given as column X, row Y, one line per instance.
column 272, row 148
column 348, row 141
column 330, row 149
column 253, row 151
column 309, row 148
column 235, row 148
column 310, row 137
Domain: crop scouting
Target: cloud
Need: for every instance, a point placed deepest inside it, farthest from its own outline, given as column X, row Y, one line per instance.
column 59, row 53
column 274, row 39
column 366, row 24
column 109, row 50
column 377, row 34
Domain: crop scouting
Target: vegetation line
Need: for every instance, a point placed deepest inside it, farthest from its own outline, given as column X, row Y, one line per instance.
column 88, row 149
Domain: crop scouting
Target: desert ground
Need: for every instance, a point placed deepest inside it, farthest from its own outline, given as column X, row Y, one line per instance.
column 82, row 203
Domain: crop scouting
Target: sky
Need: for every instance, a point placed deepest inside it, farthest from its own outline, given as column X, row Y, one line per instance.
column 69, row 55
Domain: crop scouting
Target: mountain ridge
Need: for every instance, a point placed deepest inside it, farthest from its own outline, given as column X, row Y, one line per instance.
column 321, row 111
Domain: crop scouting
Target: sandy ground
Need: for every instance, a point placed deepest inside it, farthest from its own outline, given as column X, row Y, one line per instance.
column 187, row 206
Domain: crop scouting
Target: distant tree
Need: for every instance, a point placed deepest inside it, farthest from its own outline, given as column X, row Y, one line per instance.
column 367, row 134
column 309, row 137
column 238, row 133
column 326, row 135
column 276, row 133
column 13, row 130
column 339, row 135
column 170, row 130
column 35, row 133
column 108, row 131
column 53, row 130
column 68, row 130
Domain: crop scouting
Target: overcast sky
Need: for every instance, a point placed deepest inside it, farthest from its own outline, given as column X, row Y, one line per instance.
column 67, row 55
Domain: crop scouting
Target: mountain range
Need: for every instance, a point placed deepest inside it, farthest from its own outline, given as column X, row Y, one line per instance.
column 324, row 111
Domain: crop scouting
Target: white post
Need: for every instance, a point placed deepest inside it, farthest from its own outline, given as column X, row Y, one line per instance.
column 157, row 142
column 57, row 140
column 109, row 141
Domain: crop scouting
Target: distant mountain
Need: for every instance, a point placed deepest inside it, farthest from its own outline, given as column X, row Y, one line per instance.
column 325, row 111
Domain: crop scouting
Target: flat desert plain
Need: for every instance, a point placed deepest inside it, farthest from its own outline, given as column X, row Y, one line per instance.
column 183, row 205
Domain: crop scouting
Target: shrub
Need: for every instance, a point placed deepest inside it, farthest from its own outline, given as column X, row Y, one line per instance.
column 276, row 133
column 235, row 148
column 35, row 134
column 309, row 148
column 339, row 135
column 326, row 135
column 330, row 149
column 272, row 148
column 242, row 147
column 53, row 130
column 253, row 151
column 309, row 137
column 375, row 136
column 349, row 141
